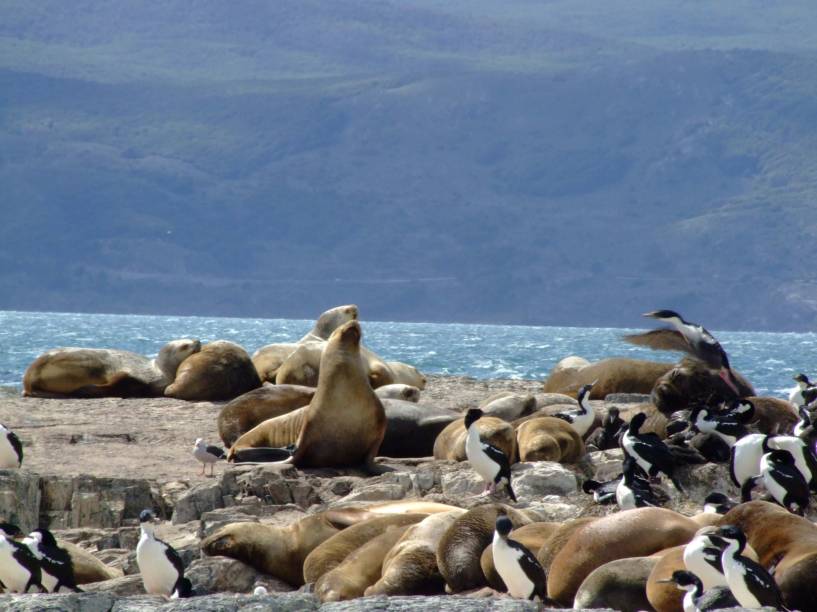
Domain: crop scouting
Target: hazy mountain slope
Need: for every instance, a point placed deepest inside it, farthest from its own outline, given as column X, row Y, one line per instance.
column 426, row 162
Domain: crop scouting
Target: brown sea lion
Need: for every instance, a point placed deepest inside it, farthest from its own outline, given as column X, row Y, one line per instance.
column 351, row 515
column 344, row 423
column 410, row 567
column 619, row 585
column 773, row 416
column 549, row 439
column 508, row 406
column 460, row 548
column 88, row 568
column 274, row 550
column 331, row 553
column 301, row 366
column 613, row 375
column 554, row 544
column 397, row 391
column 329, row 321
column 360, row 569
column 531, row 536
column 403, row 373
column 691, row 382
column 630, row 533
column 221, row 370
column 81, row 372
column 450, row 444
column 784, row 541
column 248, row 410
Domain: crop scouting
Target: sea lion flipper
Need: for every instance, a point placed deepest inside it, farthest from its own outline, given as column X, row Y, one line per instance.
column 261, row 454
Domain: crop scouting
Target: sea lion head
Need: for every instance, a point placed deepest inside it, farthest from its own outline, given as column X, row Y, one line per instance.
column 173, row 353
column 333, row 318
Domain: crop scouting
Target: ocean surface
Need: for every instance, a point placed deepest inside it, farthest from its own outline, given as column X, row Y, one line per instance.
column 768, row 360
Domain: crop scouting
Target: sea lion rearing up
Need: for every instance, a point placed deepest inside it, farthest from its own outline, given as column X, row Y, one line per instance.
column 85, row 372
column 344, row 423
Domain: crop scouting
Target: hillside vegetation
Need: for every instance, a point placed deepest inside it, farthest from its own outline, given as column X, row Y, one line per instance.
column 567, row 162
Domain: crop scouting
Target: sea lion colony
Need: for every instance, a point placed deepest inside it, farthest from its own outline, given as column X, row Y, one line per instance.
column 757, row 539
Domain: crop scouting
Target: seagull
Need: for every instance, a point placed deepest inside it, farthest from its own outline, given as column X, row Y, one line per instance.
column 490, row 462
column 207, row 454
column 690, row 338
column 160, row 565
column 11, row 449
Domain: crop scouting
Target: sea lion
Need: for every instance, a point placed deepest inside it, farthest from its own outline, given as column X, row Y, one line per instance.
column 784, row 541
column 549, row 439
column 248, row 410
column 271, row 549
column 613, row 375
column 360, row 569
column 692, row 382
column 331, row 553
column 88, row 568
column 344, row 423
column 397, row 391
column 221, row 370
column 773, row 416
column 411, row 429
column 618, row 584
column 551, row 547
column 630, row 533
column 301, row 366
column 450, row 444
column 329, row 321
column 81, row 372
column 410, row 567
column 508, row 406
column 460, row 548
column 532, row 536
column 403, row 373
column 351, row 515
column 268, row 359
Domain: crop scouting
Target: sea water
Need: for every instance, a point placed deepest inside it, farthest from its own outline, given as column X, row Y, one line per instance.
column 768, row 360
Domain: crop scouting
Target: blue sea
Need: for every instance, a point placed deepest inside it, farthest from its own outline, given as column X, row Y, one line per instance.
column 769, row 360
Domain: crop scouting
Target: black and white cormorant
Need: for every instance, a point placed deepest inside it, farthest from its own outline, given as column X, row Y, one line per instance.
column 159, row 564
column 718, row 503
column 783, row 481
column 19, row 568
column 750, row 583
column 634, row 490
column 744, row 461
column 582, row 418
column 698, row 600
column 516, row 565
column 805, row 392
column 691, row 338
column 11, row 449
column 725, row 426
column 55, row 563
column 649, row 452
column 702, row 557
column 490, row 462
column 805, row 459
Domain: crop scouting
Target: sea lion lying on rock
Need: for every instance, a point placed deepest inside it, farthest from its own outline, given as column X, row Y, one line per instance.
column 548, row 439
column 614, row 375
column 221, row 370
column 691, row 382
column 256, row 406
column 81, row 372
column 450, row 443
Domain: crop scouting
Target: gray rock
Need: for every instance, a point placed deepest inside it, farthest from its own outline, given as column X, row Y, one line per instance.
column 121, row 587
column 199, row 499
column 282, row 602
column 20, row 498
column 273, row 484
column 540, row 478
column 463, row 483
column 74, row 602
column 450, row 603
column 220, row 574
column 606, row 464
column 216, row 519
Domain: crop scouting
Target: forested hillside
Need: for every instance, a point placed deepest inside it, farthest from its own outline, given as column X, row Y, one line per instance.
column 564, row 162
